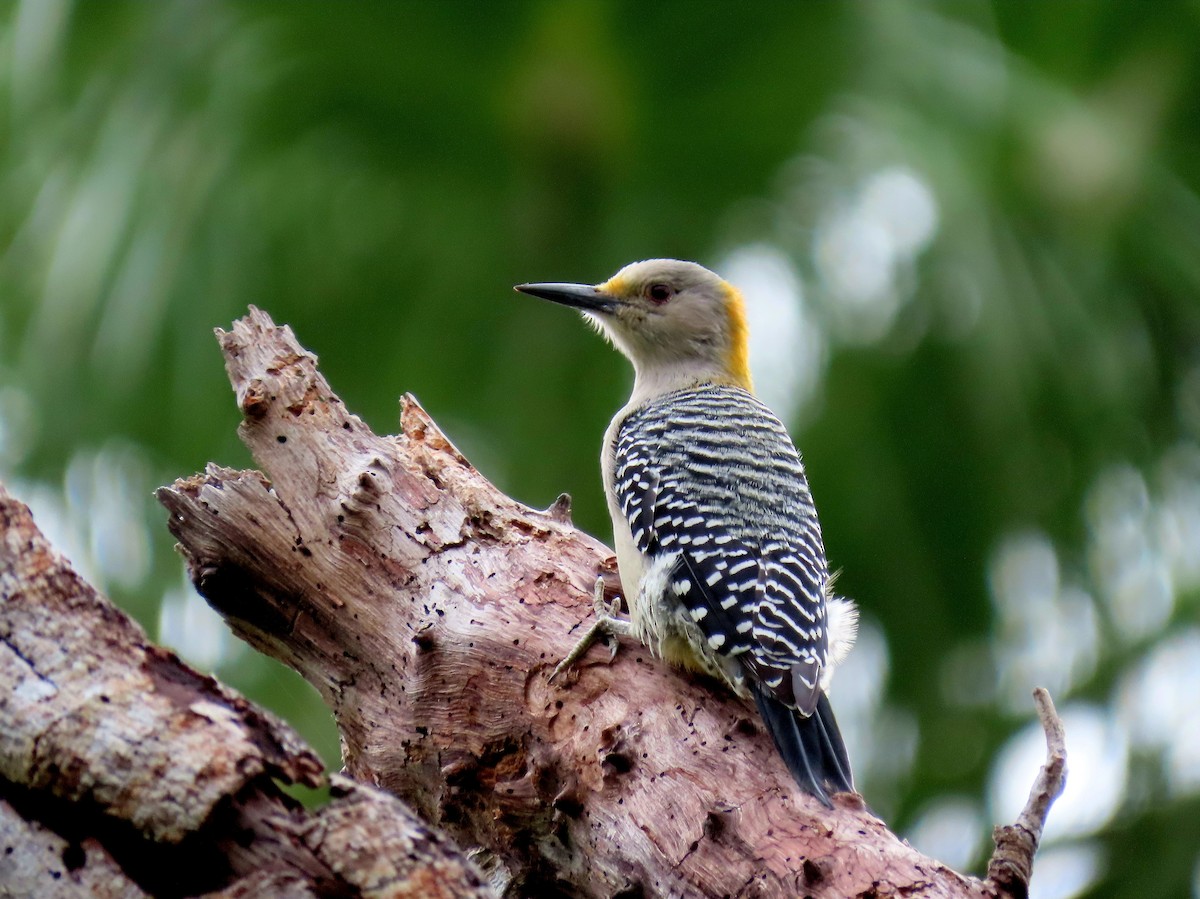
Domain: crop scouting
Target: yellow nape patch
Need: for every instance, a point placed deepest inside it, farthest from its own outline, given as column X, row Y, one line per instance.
column 737, row 363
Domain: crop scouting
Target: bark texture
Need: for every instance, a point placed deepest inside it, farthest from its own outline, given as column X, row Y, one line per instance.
column 123, row 772
column 429, row 610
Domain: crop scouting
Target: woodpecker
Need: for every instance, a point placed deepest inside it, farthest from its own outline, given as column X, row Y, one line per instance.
column 719, row 550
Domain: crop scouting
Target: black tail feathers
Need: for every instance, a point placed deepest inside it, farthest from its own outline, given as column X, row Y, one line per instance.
column 812, row 747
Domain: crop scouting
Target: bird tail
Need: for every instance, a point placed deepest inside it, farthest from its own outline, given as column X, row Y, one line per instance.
column 811, row 745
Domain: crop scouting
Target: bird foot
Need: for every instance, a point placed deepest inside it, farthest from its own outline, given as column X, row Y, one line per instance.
column 607, row 626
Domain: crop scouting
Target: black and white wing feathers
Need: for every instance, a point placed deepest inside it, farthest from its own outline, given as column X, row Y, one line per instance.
column 733, row 502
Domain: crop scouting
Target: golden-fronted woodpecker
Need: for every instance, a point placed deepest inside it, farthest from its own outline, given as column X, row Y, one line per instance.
column 719, row 549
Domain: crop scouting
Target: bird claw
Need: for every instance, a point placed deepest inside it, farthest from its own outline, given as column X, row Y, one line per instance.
column 604, row 608
column 607, row 627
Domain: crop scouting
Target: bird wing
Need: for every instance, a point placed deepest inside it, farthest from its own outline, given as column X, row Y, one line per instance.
column 712, row 475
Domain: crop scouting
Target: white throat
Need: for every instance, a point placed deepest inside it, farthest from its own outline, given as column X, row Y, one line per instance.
column 652, row 380
column 656, row 376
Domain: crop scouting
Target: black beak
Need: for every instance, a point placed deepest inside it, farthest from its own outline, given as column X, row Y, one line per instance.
column 579, row 296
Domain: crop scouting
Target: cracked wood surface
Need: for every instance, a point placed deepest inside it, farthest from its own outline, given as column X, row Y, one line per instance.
column 125, row 773
column 429, row 610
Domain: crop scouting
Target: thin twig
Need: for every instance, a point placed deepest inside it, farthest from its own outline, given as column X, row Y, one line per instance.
column 1011, row 865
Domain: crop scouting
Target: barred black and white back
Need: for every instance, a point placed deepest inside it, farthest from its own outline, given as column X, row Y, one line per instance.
column 734, row 567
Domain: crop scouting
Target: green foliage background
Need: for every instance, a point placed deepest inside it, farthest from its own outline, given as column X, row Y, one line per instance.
column 1001, row 422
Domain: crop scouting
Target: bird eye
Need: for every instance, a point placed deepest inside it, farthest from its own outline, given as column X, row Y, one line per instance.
column 659, row 293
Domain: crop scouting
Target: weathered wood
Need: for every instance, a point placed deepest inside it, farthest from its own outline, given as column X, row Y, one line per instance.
column 123, row 772
column 429, row 610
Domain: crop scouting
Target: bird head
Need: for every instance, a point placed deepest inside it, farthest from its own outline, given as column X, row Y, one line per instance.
column 676, row 321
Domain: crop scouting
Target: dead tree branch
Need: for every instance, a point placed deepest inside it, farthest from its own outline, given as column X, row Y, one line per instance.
column 123, row 772
column 429, row 610
column 1011, row 865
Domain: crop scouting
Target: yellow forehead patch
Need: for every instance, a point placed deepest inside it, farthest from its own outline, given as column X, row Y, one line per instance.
column 737, row 362
column 616, row 285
